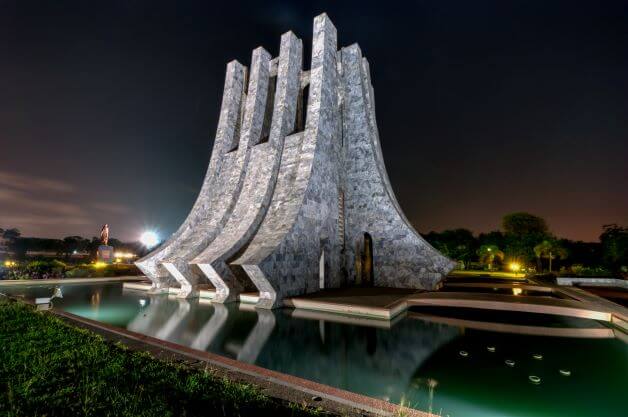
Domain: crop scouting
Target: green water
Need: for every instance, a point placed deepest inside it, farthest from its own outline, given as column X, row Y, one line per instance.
column 447, row 369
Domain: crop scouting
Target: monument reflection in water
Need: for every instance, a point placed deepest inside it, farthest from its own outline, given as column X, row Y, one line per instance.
column 449, row 370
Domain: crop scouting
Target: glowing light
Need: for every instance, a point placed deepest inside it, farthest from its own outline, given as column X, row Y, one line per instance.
column 99, row 265
column 117, row 261
column 125, row 255
column 142, row 302
column 10, row 264
column 514, row 267
column 149, row 239
column 517, row 291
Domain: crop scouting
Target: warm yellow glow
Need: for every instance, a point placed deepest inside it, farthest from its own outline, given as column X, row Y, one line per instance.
column 125, row 255
column 10, row 264
column 99, row 265
column 514, row 267
column 118, row 260
column 516, row 291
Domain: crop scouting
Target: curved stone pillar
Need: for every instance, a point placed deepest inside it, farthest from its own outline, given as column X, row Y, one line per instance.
column 401, row 258
column 260, row 179
column 227, row 132
column 283, row 258
column 229, row 184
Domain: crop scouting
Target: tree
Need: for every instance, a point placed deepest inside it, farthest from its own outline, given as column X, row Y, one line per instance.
column 14, row 243
column 614, row 241
column 73, row 243
column 457, row 244
column 92, row 247
column 488, row 254
column 524, row 224
column 522, row 232
column 491, row 238
column 550, row 249
column 582, row 253
column 11, row 234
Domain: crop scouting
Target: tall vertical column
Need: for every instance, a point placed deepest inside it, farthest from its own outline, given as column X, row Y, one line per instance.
column 227, row 129
column 259, row 183
column 400, row 257
column 230, row 184
column 283, row 258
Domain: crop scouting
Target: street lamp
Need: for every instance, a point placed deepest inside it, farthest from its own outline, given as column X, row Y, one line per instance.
column 149, row 239
column 515, row 267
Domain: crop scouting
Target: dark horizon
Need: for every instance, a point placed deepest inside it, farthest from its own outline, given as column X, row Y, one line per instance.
column 109, row 109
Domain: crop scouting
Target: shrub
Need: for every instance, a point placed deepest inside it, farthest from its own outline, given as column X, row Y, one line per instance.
column 585, row 271
column 77, row 273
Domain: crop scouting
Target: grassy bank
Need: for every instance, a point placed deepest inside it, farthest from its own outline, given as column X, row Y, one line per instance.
column 50, row 368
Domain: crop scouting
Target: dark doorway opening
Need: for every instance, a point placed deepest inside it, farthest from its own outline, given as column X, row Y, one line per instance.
column 268, row 112
column 302, row 104
column 367, row 261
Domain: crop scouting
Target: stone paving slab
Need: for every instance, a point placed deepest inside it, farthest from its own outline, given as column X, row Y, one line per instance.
column 527, row 304
column 381, row 303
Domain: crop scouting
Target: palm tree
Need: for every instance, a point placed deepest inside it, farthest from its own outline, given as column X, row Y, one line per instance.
column 488, row 253
column 550, row 249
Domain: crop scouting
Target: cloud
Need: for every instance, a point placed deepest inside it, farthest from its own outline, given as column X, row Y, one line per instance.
column 28, row 221
column 48, row 207
column 110, row 207
column 38, row 205
column 21, row 202
column 31, row 183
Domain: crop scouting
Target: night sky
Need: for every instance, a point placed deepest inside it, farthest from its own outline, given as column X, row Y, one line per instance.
column 108, row 109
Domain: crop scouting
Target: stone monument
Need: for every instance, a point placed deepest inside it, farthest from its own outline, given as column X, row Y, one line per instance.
column 105, row 252
column 296, row 197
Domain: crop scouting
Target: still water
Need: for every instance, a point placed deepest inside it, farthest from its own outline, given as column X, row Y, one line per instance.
column 452, row 363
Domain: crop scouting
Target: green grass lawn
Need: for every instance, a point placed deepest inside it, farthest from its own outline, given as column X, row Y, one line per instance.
column 51, row 368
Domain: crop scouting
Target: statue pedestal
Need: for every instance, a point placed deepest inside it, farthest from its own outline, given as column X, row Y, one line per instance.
column 105, row 254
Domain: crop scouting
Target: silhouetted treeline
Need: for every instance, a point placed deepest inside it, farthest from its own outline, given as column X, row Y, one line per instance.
column 526, row 239
column 65, row 248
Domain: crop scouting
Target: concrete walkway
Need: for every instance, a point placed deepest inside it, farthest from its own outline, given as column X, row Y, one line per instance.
column 378, row 303
column 13, row 282
column 388, row 303
column 525, row 304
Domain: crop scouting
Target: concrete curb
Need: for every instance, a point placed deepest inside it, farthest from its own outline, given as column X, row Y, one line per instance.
column 13, row 282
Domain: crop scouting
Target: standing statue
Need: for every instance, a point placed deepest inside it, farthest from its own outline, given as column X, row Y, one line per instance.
column 104, row 234
column 105, row 252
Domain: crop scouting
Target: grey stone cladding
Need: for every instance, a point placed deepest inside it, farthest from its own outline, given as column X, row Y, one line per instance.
column 259, row 183
column 291, row 206
column 227, row 190
column 226, row 134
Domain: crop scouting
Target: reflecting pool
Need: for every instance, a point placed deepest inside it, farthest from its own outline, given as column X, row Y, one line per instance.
column 450, row 362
